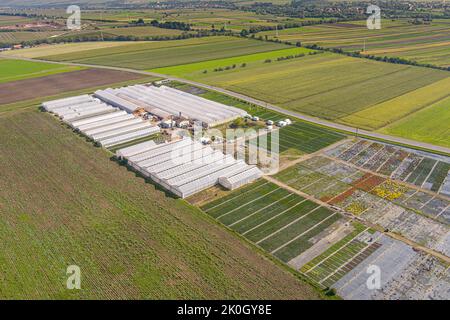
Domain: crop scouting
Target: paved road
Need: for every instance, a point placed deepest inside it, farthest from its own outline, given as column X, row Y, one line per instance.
column 348, row 129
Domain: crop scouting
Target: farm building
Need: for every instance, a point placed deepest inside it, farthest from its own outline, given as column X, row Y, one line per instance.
column 186, row 167
column 105, row 124
column 165, row 102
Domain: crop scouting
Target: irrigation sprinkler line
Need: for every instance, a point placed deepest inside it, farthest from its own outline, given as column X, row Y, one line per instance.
column 406, row 199
column 402, row 182
column 345, row 150
column 312, row 183
column 369, row 143
column 423, row 206
column 384, row 162
column 373, row 156
column 443, row 210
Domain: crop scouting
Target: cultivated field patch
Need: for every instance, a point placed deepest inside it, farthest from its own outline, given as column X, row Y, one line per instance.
column 64, row 48
column 192, row 70
column 334, row 87
column 54, row 84
column 395, row 109
column 13, row 70
column 428, row 125
column 157, row 54
column 426, row 43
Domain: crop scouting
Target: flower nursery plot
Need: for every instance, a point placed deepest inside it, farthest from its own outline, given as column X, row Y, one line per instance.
column 419, row 168
column 417, row 215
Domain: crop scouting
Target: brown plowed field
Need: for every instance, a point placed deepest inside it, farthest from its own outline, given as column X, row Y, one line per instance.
column 50, row 85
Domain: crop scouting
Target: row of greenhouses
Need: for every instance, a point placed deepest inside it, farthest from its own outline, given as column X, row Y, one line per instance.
column 105, row 124
column 164, row 102
column 186, row 167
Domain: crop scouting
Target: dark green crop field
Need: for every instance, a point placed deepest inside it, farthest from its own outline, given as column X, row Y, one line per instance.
column 64, row 202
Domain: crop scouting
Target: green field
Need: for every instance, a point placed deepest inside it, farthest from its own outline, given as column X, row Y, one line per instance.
column 426, row 43
column 277, row 220
column 71, row 204
column 397, row 108
column 428, row 125
column 12, row 70
column 169, row 53
column 330, row 86
column 193, row 70
column 198, row 18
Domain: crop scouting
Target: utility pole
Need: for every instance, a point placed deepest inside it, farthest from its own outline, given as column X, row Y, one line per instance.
column 276, row 31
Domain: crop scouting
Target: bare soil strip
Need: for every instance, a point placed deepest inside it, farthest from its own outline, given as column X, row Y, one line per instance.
column 28, row 89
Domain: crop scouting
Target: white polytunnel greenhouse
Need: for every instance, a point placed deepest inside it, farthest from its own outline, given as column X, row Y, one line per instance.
column 97, row 119
column 50, row 105
column 186, row 167
column 134, row 150
column 165, row 101
column 129, row 137
column 182, row 166
column 240, row 179
column 105, row 124
column 113, row 126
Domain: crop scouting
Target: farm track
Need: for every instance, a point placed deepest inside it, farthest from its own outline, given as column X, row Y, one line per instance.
column 332, row 125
